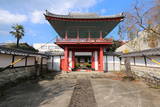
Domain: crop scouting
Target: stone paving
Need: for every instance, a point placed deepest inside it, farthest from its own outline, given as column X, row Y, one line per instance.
column 107, row 91
column 113, row 93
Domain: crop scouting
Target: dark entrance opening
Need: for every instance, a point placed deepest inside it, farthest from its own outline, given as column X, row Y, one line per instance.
column 83, row 62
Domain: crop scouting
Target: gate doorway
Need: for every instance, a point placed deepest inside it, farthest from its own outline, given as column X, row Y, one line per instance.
column 83, row 62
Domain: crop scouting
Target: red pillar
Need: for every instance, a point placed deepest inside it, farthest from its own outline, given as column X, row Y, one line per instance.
column 100, row 35
column 73, row 59
column 93, row 60
column 101, row 59
column 66, row 59
column 66, row 35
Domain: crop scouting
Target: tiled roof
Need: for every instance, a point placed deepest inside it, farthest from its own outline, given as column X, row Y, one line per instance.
column 148, row 52
column 83, row 15
column 55, row 53
column 113, row 53
column 11, row 51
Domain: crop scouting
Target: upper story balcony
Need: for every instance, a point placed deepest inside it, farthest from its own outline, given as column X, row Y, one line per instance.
column 84, row 41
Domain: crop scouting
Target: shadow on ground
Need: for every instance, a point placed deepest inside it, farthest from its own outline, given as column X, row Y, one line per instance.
column 108, row 88
column 37, row 93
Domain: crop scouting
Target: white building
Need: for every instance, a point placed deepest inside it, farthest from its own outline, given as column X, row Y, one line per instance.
column 142, row 42
column 50, row 47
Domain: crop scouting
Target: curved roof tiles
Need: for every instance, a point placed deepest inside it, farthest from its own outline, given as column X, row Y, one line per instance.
column 84, row 15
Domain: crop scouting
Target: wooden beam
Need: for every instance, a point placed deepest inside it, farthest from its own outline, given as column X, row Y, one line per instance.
column 26, row 60
column 13, row 58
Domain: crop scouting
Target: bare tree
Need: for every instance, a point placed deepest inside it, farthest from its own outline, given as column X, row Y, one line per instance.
column 142, row 18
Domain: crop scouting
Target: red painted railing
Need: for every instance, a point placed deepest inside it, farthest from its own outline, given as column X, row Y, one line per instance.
column 110, row 40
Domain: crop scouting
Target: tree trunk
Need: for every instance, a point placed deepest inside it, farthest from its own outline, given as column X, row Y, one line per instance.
column 18, row 42
column 128, row 67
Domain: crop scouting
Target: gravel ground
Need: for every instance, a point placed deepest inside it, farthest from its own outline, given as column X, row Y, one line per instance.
column 83, row 95
column 82, row 91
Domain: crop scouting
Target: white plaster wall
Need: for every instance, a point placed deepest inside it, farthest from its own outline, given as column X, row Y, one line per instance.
column 96, row 60
column 131, row 61
column 50, row 67
column 50, row 60
column 104, row 63
column 139, row 61
column 83, row 53
column 70, row 60
column 122, row 60
column 30, row 61
column 56, row 64
column 5, row 60
column 152, row 64
column 117, row 63
column 45, row 60
column 50, row 63
column 20, row 63
column 110, row 63
column 39, row 60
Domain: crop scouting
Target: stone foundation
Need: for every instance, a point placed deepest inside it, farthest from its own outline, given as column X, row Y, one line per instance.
column 15, row 75
column 12, row 74
column 149, row 74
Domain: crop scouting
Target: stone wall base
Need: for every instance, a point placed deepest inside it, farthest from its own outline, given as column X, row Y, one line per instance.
column 12, row 76
column 149, row 74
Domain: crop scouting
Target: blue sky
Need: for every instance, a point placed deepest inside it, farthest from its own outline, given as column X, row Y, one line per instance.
column 29, row 13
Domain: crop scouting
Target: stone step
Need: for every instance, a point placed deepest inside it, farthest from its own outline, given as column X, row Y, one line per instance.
column 75, row 75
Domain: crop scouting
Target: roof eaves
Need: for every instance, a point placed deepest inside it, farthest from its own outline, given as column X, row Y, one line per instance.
column 10, row 51
column 148, row 52
column 83, row 17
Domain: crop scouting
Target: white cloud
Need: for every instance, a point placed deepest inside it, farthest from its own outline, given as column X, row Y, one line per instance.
column 60, row 7
column 9, row 18
column 65, row 6
column 35, row 8
column 37, row 17
column 102, row 11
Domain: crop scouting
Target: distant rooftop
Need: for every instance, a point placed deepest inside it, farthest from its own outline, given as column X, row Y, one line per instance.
column 1, row 44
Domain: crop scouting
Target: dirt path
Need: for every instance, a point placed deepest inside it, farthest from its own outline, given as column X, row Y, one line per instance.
column 83, row 95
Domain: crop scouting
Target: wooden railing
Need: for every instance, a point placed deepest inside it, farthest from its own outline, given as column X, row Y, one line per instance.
column 110, row 40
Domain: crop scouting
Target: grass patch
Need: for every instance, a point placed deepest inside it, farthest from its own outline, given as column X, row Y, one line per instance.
column 128, row 78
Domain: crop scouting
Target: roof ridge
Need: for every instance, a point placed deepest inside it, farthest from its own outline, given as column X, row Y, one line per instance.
column 83, row 15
